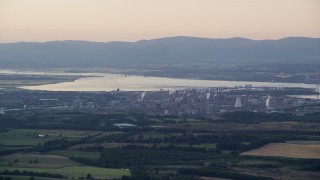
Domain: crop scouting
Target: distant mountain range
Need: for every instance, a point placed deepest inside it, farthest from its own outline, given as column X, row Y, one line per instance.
column 164, row 51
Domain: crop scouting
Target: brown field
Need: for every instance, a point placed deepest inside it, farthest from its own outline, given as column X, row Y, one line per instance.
column 287, row 150
column 304, row 142
column 282, row 173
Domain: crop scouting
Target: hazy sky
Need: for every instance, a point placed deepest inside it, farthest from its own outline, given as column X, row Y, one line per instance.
column 130, row 20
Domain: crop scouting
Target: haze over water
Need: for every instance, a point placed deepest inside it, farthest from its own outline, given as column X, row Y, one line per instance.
column 110, row 82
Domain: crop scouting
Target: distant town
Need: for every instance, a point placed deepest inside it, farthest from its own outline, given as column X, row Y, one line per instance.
column 209, row 102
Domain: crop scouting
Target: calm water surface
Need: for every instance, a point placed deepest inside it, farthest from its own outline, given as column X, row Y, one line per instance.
column 140, row 83
column 111, row 82
column 306, row 96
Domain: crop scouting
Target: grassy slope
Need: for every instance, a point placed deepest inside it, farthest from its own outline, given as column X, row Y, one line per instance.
column 57, row 165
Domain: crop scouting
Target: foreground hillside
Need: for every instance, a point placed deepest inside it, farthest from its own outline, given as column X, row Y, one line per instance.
column 85, row 145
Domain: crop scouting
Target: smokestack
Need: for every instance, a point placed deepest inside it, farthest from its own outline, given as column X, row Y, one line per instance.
column 268, row 102
column 238, row 102
column 142, row 96
column 208, row 95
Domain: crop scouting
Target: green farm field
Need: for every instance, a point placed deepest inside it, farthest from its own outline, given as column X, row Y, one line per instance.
column 54, row 164
column 28, row 160
column 78, row 171
column 30, row 137
column 26, row 177
column 50, row 133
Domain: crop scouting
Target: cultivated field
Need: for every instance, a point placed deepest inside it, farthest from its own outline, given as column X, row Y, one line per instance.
column 54, row 164
column 27, row 177
column 78, row 171
column 30, row 137
column 310, row 151
column 22, row 137
column 36, row 161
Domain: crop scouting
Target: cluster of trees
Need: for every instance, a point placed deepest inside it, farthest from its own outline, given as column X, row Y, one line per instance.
column 35, row 121
column 148, row 173
column 300, row 164
column 7, row 151
column 230, row 174
column 132, row 156
column 236, row 140
column 258, row 117
column 145, row 173
column 72, row 120
column 5, row 178
column 31, row 173
column 56, row 144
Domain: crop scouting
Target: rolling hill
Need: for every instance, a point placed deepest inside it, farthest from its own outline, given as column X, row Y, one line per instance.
column 163, row 51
